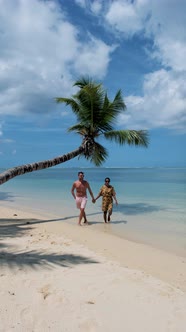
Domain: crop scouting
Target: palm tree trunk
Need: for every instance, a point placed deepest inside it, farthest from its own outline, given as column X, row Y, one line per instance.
column 27, row 168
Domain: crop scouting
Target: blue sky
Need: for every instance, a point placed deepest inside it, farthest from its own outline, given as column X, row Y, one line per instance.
column 136, row 46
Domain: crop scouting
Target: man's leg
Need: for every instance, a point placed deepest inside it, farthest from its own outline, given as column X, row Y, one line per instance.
column 81, row 215
column 78, row 205
column 83, row 205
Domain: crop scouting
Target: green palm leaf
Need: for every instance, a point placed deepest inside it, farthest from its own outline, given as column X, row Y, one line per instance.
column 97, row 116
column 99, row 155
column 70, row 102
column 130, row 137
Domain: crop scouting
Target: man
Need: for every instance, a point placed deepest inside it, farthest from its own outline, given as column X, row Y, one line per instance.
column 81, row 186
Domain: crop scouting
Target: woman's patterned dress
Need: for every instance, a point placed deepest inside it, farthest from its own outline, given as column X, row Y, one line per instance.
column 107, row 201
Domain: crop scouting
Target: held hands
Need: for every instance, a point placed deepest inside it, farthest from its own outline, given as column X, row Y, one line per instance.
column 93, row 200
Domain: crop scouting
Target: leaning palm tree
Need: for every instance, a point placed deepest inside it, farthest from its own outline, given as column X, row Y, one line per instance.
column 96, row 117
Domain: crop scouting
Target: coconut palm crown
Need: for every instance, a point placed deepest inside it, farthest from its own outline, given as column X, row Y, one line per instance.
column 96, row 116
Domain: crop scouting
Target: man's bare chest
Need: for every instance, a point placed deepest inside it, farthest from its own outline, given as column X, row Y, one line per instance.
column 81, row 186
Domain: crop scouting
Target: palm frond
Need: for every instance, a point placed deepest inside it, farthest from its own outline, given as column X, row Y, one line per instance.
column 98, row 156
column 130, row 137
column 97, row 115
column 118, row 102
column 83, row 81
column 79, row 128
column 111, row 110
column 69, row 102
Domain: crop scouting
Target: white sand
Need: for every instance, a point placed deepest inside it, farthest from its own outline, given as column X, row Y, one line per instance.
column 58, row 277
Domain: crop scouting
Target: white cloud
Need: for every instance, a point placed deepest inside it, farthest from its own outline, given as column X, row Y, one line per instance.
column 124, row 17
column 94, row 63
column 164, row 21
column 167, row 26
column 163, row 103
column 81, row 3
column 96, row 6
column 40, row 52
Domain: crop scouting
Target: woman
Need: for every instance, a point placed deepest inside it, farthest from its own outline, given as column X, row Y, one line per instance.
column 108, row 193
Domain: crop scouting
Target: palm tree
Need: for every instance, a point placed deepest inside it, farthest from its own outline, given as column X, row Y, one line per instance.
column 96, row 116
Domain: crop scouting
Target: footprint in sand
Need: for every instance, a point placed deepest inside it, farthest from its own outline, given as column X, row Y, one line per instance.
column 53, row 242
column 26, row 316
column 45, row 291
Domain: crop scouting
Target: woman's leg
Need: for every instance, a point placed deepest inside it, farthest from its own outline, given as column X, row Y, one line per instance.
column 105, row 216
column 109, row 215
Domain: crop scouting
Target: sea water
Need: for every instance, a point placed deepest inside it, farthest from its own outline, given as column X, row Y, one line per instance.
column 151, row 207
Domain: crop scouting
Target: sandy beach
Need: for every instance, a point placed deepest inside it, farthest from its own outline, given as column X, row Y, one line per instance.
column 56, row 276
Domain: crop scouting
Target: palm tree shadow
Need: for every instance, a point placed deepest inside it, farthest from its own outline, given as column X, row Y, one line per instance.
column 132, row 209
column 13, row 227
column 6, row 196
column 36, row 259
column 14, row 224
column 138, row 208
column 33, row 259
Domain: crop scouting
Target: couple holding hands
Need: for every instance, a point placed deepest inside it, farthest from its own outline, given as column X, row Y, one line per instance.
column 79, row 192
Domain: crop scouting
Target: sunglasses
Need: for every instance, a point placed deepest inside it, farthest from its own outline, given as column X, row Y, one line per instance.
column 107, row 181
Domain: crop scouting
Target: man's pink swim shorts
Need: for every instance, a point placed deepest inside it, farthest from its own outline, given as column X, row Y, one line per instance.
column 81, row 202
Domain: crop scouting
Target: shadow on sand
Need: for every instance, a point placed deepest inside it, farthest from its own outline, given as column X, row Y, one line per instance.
column 16, row 227
column 6, row 196
column 138, row 208
column 35, row 259
column 13, row 227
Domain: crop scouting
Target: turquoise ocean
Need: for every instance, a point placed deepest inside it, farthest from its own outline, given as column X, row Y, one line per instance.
column 151, row 209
